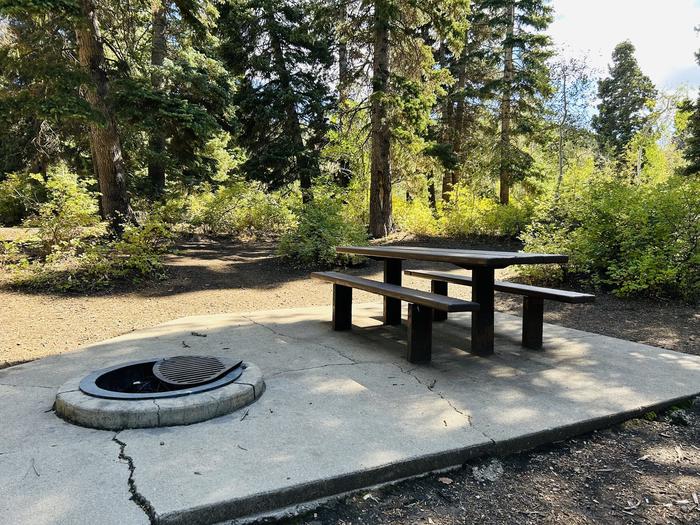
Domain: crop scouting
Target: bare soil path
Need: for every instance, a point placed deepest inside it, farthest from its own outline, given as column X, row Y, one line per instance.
column 644, row 471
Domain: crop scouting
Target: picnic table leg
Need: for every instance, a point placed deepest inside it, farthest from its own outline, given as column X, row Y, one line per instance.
column 392, row 307
column 420, row 333
column 482, row 320
column 533, row 318
column 439, row 287
column 342, row 307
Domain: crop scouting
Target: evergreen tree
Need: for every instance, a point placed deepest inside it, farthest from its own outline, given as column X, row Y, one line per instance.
column 403, row 94
column 41, row 110
column 185, row 100
column 380, row 220
column 283, row 54
column 691, row 150
column 157, row 140
column 463, row 108
column 173, row 96
column 524, row 84
column 625, row 96
column 105, row 142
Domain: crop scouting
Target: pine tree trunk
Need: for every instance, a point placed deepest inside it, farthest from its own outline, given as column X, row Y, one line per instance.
column 562, row 129
column 307, row 168
column 431, row 192
column 157, row 140
column 505, row 145
column 456, row 123
column 380, row 180
column 105, row 146
column 344, row 174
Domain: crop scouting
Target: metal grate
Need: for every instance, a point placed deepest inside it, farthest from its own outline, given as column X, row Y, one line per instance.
column 190, row 370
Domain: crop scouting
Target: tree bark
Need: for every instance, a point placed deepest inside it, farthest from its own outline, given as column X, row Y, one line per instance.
column 431, row 192
column 456, row 125
column 344, row 173
column 105, row 146
column 157, row 140
column 307, row 167
column 562, row 130
column 380, row 222
column 505, row 167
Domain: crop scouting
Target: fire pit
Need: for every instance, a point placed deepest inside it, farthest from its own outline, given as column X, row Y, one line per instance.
column 168, row 391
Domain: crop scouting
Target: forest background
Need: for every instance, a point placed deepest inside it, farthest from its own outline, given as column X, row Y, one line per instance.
column 124, row 125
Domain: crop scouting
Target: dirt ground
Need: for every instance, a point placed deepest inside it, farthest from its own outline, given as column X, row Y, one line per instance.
column 640, row 472
column 210, row 277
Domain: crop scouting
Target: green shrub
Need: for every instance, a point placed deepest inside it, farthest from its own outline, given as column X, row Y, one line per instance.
column 70, row 209
column 415, row 217
column 20, row 195
column 469, row 215
column 97, row 263
column 636, row 239
column 10, row 254
column 321, row 227
column 239, row 208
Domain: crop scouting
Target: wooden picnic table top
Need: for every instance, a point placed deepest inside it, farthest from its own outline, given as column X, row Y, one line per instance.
column 459, row 257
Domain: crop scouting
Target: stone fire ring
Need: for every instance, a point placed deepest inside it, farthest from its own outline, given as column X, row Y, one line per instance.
column 79, row 408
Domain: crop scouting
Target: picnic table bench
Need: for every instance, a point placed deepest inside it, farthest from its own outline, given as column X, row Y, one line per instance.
column 533, row 300
column 420, row 309
column 424, row 307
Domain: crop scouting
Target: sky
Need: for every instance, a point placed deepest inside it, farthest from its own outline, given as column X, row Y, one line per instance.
column 661, row 30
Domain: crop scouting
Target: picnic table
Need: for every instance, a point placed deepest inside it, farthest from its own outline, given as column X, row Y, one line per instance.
column 482, row 264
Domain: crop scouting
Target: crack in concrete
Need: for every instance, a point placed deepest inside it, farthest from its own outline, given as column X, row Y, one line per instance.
column 255, row 393
column 354, row 363
column 136, row 496
column 431, row 388
column 298, row 339
column 155, row 402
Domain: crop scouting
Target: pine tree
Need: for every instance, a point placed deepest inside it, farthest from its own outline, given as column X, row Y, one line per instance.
column 158, row 138
column 691, row 151
column 380, row 221
column 105, row 142
column 281, row 51
column 625, row 96
column 463, row 107
column 54, row 107
column 524, row 83
column 40, row 104
column 405, row 82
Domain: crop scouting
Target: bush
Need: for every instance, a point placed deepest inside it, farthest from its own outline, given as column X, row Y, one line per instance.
column 469, row 215
column 70, row 209
column 321, row 227
column 20, row 195
column 239, row 208
column 97, row 263
column 415, row 217
column 636, row 239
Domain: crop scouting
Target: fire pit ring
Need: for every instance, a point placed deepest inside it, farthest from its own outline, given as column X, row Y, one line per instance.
column 157, row 392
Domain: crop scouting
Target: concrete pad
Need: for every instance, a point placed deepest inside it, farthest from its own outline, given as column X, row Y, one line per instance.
column 53, row 472
column 342, row 411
